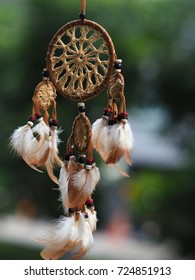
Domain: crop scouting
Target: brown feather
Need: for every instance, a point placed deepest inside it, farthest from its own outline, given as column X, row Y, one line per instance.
column 76, row 199
column 30, row 164
column 49, row 169
column 121, row 171
column 80, row 253
column 40, row 141
column 41, row 161
column 127, row 157
column 76, row 196
column 51, row 254
column 114, row 155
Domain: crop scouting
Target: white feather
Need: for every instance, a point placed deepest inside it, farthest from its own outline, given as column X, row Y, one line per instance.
column 55, row 140
column 129, row 136
column 86, row 180
column 21, row 138
column 123, row 136
column 21, row 141
column 95, row 173
column 27, row 146
column 86, row 234
column 67, row 234
column 108, row 140
column 79, row 179
column 63, row 186
column 92, row 220
column 100, row 132
column 72, row 165
column 41, row 128
column 37, row 155
column 96, row 128
column 53, row 159
column 43, row 131
column 122, row 139
column 86, row 237
column 63, row 232
column 26, row 159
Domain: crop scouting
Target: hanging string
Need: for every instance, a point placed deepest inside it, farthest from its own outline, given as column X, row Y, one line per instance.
column 83, row 10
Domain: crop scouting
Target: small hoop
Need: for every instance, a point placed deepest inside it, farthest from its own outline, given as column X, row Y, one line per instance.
column 81, row 134
column 45, row 94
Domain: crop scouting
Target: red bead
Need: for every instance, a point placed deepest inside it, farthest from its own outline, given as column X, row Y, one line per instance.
column 90, row 201
column 38, row 116
column 123, row 115
column 108, row 110
column 53, row 123
column 90, row 161
column 32, row 118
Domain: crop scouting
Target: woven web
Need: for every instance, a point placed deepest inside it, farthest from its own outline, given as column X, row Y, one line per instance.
column 46, row 95
column 80, row 60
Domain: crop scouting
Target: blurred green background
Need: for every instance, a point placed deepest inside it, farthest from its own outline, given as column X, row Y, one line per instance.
column 156, row 205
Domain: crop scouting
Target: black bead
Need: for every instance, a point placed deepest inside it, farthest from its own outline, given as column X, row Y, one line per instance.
column 72, row 210
column 122, row 117
column 45, row 74
column 32, row 118
column 82, row 16
column 81, row 160
column 111, row 122
column 118, row 65
column 89, row 205
column 67, row 157
column 82, row 109
column 86, row 215
column 107, row 112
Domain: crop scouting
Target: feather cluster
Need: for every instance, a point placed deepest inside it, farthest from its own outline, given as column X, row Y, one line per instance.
column 77, row 181
column 68, row 234
column 37, row 145
column 113, row 139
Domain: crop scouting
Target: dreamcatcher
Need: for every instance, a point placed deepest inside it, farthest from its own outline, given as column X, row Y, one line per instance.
column 80, row 63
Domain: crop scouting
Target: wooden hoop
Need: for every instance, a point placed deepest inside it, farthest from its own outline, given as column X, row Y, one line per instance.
column 82, row 71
